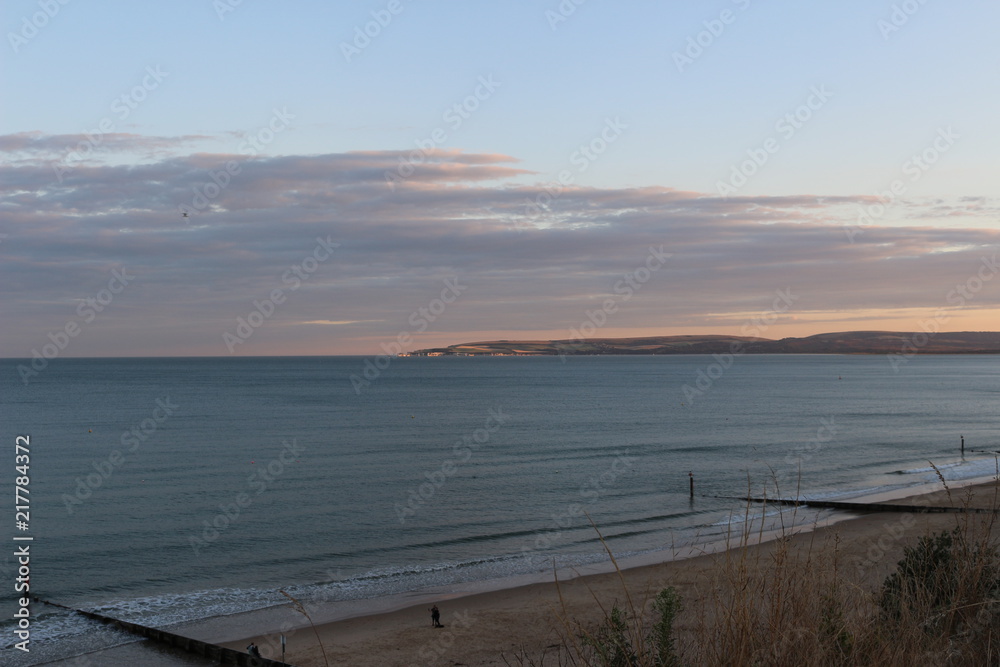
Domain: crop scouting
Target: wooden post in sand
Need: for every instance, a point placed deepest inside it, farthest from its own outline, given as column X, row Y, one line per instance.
column 691, row 481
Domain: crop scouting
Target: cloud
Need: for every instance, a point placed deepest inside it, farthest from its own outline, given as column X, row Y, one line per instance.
column 36, row 143
column 534, row 257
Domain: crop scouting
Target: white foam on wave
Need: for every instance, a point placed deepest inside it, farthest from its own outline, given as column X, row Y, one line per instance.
column 929, row 469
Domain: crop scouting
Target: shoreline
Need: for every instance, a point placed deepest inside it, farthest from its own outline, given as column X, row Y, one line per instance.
column 485, row 618
column 221, row 628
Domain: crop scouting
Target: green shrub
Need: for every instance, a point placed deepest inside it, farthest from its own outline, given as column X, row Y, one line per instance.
column 616, row 643
column 941, row 581
column 611, row 643
column 666, row 606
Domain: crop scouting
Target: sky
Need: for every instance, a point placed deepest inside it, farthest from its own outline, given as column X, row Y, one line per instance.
column 248, row 178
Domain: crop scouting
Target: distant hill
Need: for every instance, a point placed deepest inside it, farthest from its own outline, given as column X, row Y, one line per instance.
column 847, row 342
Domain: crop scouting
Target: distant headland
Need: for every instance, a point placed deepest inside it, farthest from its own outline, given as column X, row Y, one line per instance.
column 848, row 342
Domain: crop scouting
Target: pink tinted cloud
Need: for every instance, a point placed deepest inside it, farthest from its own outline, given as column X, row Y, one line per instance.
column 525, row 270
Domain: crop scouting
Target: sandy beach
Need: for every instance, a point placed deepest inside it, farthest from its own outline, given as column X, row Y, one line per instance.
column 483, row 628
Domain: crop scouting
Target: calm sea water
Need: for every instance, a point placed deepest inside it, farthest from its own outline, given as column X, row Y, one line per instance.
column 246, row 476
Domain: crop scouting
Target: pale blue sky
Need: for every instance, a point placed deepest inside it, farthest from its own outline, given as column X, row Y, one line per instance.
column 686, row 130
column 606, row 60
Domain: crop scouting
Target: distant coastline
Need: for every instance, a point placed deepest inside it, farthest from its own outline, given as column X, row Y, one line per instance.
column 848, row 342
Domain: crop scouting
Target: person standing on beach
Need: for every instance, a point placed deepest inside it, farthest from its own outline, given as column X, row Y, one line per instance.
column 435, row 617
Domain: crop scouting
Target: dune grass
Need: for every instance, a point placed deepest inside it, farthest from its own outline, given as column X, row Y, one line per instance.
column 806, row 605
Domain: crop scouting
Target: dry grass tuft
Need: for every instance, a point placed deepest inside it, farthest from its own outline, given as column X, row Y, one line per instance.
column 801, row 605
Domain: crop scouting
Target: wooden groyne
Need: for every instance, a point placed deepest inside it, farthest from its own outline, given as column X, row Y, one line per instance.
column 220, row 654
column 862, row 507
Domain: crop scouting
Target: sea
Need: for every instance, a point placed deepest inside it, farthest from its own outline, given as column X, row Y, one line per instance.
column 197, row 492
